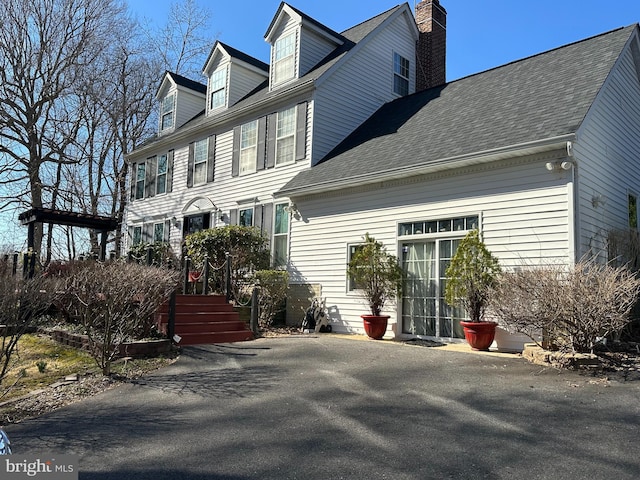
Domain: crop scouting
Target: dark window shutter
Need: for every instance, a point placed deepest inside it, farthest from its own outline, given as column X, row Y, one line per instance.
column 233, row 216
column 235, row 159
column 257, row 217
column 211, row 160
column 190, row 163
column 170, row 171
column 301, row 131
column 206, row 220
column 272, row 128
column 133, row 172
column 267, row 220
column 262, row 132
column 150, row 177
column 147, row 233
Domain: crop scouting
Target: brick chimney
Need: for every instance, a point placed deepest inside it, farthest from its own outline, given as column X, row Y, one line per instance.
column 431, row 47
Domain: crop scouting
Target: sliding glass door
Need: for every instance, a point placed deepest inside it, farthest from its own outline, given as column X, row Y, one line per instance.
column 424, row 310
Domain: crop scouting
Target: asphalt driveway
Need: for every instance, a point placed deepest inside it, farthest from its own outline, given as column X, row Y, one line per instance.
column 330, row 407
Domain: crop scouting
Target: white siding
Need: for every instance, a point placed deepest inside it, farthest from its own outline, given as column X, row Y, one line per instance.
column 361, row 86
column 608, row 156
column 225, row 191
column 242, row 81
column 189, row 104
column 313, row 48
column 523, row 210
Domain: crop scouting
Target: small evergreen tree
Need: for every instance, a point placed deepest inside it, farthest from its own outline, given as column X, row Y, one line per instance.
column 471, row 274
column 376, row 274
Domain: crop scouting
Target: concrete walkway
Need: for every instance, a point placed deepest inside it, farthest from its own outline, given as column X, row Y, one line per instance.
column 330, row 407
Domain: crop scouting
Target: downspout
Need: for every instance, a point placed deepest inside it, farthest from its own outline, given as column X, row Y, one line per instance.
column 574, row 217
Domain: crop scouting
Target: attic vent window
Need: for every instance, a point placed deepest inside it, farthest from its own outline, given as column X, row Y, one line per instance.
column 218, row 85
column 167, row 112
column 283, row 58
column 400, row 74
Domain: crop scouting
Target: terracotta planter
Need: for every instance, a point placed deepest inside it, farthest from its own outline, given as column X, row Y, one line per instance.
column 375, row 326
column 479, row 334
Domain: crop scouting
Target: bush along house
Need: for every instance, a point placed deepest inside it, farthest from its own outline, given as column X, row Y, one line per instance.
column 358, row 132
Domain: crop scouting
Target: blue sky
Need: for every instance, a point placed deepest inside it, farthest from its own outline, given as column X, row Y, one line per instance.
column 481, row 34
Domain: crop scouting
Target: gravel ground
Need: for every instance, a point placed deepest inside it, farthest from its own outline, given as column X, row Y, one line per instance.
column 65, row 392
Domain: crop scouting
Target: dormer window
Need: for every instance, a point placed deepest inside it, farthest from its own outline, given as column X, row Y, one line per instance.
column 167, row 113
column 400, row 75
column 283, row 58
column 218, row 86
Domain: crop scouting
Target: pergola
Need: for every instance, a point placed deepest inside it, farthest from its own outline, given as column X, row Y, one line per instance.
column 101, row 224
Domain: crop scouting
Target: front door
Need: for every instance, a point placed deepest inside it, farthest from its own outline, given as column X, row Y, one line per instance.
column 195, row 223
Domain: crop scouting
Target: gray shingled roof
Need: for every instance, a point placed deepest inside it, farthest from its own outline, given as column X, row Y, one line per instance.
column 351, row 36
column 188, row 83
column 540, row 97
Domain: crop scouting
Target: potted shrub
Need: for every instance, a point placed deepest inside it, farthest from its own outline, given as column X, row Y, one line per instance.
column 471, row 274
column 378, row 278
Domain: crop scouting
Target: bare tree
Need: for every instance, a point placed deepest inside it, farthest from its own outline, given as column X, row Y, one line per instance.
column 23, row 302
column 114, row 302
column 183, row 42
column 573, row 306
column 45, row 46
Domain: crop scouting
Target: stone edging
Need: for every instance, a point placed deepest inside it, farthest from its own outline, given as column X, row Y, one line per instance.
column 536, row 354
column 142, row 348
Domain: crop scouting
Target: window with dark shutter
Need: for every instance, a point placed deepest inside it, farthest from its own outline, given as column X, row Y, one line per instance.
column 190, row 163
column 211, row 161
column 301, row 131
column 150, row 178
column 170, row 171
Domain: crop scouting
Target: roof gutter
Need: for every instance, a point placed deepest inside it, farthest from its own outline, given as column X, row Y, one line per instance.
column 448, row 163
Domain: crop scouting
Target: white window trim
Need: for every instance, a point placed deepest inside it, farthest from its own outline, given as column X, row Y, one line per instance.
column 351, row 288
column 164, row 113
column 223, row 72
column 251, row 150
column 244, row 209
column 137, row 232
column 197, row 162
column 155, row 226
column 158, row 174
column 400, row 75
column 292, row 135
column 291, row 73
column 142, row 181
column 286, row 212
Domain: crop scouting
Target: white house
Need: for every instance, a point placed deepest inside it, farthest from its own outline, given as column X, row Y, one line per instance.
column 355, row 132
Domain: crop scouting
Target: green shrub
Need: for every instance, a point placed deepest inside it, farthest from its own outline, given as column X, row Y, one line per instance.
column 248, row 248
column 470, row 276
column 161, row 254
